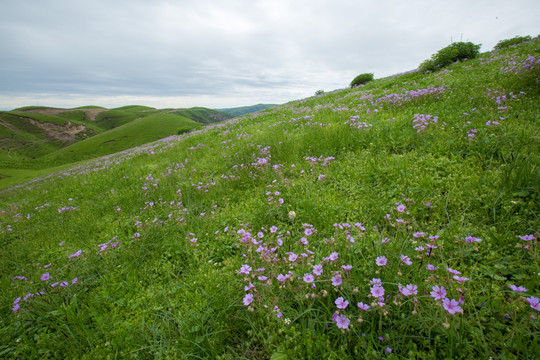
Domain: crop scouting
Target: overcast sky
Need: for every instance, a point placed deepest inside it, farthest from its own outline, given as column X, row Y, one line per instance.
column 227, row 53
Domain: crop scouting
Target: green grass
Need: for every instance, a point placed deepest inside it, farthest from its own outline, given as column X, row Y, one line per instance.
column 164, row 230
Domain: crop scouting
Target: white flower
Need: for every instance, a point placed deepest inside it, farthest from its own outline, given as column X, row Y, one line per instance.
column 292, row 215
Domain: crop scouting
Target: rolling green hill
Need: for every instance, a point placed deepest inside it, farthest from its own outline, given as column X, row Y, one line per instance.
column 395, row 220
column 137, row 132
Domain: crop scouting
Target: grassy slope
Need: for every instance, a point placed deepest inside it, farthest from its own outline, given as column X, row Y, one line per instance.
column 134, row 133
column 170, row 288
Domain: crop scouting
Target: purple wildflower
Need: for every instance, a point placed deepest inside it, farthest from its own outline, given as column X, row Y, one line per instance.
column 341, row 303
column 455, row 272
column 381, row 261
column 451, row 305
column 377, row 290
column 45, row 277
column 408, row 290
column 517, row 288
column 438, row 293
column 249, row 287
column 526, row 237
column 534, row 302
column 76, row 254
column 342, row 322
column 460, row 279
column 317, row 270
column 245, row 269
column 248, row 299
column 363, row 306
column 308, row 278
column 406, row 260
column 336, row 280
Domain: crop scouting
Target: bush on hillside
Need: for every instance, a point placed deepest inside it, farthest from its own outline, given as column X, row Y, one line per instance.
column 362, row 79
column 454, row 52
column 513, row 41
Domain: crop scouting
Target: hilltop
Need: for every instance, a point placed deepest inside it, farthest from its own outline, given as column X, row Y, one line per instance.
column 396, row 219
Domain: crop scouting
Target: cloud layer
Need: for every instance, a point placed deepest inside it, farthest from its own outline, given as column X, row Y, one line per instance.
column 228, row 52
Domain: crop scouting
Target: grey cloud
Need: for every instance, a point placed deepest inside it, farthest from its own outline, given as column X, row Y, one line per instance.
column 215, row 49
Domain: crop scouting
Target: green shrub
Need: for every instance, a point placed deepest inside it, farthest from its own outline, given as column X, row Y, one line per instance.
column 513, row 41
column 362, row 79
column 454, row 52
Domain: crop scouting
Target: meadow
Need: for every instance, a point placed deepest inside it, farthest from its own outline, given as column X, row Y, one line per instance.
column 394, row 220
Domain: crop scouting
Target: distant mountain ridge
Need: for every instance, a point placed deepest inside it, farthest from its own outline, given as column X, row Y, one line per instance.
column 238, row 111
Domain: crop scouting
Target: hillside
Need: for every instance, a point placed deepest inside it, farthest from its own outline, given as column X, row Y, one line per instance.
column 398, row 219
column 134, row 133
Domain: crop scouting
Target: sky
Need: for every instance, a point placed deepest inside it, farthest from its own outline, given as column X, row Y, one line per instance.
column 228, row 53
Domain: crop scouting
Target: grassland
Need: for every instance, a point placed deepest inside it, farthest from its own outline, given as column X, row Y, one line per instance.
column 394, row 220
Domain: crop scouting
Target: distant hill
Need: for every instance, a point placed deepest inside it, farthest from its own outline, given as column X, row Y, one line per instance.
column 203, row 115
column 238, row 111
column 35, row 136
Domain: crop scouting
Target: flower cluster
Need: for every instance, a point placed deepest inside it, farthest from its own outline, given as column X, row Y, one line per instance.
column 421, row 121
column 354, row 121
